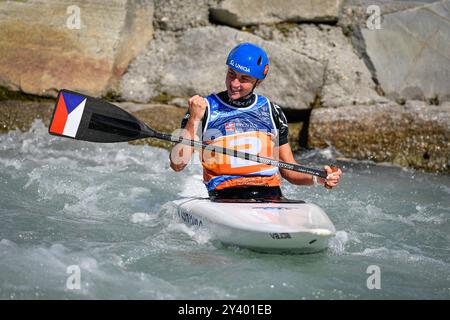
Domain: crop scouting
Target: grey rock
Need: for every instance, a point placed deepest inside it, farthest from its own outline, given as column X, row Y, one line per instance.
column 41, row 49
column 355, row 13
column 411, row 53
column 439, row 115
column 193, row 62
column 413, row 135
column 141, row 82
column 180, row 102
column 238, row 13
column 346, row 79
column 175, row 15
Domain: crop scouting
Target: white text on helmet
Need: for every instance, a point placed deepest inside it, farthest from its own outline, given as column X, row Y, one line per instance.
column 238, row 66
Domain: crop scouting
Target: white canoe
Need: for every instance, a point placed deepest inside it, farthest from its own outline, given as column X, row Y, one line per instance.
column 268, row 227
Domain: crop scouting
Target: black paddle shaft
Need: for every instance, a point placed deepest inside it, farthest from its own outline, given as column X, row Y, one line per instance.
column 102, row 121
column 240, row 154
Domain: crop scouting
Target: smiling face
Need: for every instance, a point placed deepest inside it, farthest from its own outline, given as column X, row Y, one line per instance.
column 239, row 84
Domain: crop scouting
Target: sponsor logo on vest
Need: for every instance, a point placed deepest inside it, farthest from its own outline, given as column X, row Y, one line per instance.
column 238, row 66
column 190, row 219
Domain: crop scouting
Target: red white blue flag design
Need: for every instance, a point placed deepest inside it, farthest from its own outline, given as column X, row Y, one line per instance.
column 68, row 113
column 230, row 126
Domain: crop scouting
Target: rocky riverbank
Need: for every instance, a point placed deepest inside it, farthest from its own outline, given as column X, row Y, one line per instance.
column 378, row 94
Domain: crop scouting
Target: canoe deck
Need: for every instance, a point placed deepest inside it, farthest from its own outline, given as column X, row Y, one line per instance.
column 287, row 226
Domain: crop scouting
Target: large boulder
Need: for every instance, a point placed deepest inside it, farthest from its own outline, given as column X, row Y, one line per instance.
column 238, row 13
column 411, row 135
column 42, row 49
column 194, row 63
column 177, row 15
column 346, row 78
column 354, row 12
column 411, row 52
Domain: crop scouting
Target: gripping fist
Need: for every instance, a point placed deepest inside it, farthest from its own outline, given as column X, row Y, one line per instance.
column 197, row 107
column 334, row 175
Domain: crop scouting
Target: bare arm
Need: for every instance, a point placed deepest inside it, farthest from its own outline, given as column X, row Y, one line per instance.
column 285, row 154
column 181, row 154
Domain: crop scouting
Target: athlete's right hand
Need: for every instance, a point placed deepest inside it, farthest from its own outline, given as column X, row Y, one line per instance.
column 197, row 107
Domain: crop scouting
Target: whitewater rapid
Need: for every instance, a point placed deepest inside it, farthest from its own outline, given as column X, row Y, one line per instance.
column 105, row 210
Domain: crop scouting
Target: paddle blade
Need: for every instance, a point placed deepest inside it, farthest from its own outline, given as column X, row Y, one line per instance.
column 85, row 118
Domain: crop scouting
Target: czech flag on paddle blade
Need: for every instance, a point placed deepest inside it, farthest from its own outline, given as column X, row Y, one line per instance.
column 68, row 113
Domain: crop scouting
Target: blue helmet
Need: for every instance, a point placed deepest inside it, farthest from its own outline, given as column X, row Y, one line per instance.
column 249, row 59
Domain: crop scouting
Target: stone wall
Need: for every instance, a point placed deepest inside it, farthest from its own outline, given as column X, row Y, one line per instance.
column 372, row 94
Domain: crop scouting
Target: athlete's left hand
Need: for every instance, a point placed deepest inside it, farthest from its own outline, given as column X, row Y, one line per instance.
column 333, row 176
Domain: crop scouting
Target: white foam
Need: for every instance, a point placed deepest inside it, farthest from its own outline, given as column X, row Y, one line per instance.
column 141, row 217
column 87, row 204
column 89, row 264
column 337, row 243
column 194, row 187
column 7, row 243
column 400, row 255
column 376, row 213
column 179, row 226
column 15, row 163
column 328, row 153
column 445, row 188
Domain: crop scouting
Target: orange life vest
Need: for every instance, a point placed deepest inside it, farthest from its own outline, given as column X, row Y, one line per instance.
column 248, row 129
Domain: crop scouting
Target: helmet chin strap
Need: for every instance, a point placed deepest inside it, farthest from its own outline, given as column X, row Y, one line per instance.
column 253, row 89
